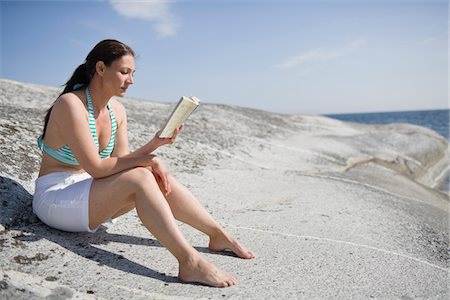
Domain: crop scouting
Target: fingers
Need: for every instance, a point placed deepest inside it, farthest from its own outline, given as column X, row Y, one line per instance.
column 169, row 189
column 163, row 181
column 175, row 133
column 166, row 183
column 171, row 140
column 177, row 130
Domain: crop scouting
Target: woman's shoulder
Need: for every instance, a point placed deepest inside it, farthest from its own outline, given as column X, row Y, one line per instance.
column 116, row 104
column 69, row 98
column 118, row 108
column 68, row 102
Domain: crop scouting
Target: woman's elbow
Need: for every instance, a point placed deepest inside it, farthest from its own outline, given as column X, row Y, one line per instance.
column 96, row 169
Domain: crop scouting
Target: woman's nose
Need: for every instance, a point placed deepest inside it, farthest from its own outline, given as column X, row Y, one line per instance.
column 131, row 79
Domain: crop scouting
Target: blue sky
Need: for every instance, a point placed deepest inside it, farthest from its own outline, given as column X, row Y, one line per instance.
column 302, row 57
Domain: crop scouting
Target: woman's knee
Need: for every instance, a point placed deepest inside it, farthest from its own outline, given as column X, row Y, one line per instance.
column 140, row 177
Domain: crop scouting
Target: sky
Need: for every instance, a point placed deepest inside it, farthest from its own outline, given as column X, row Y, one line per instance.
column 296, row 57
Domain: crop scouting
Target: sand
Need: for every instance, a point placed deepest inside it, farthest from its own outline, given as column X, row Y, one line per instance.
column 332, row 209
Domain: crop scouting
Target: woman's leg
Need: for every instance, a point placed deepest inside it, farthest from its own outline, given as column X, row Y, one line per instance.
column 186, row 208
column 124, row 210
column 113, row 194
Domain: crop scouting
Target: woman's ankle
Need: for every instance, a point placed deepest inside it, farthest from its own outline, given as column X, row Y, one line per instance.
column 188, row 260
column 217, row 233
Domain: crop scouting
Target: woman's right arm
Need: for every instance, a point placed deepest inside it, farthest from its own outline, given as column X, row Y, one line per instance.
column 71, row 118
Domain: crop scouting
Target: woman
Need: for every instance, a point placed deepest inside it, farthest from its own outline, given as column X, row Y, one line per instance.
column 88, row 175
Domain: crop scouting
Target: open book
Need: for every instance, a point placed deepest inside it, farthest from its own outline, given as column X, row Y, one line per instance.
column 182, row 111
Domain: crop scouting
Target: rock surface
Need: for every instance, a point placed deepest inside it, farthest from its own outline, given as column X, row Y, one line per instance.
column 332, row 209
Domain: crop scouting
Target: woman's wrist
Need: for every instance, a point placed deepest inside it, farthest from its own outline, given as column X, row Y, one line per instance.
column 153, row 160
column 152, row 146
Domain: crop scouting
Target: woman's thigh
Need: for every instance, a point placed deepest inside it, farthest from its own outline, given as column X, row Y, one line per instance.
column 110, row 196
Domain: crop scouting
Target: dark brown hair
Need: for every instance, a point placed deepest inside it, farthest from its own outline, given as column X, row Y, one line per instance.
column 106, row 51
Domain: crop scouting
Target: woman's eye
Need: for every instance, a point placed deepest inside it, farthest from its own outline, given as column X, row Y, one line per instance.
column 124, row 72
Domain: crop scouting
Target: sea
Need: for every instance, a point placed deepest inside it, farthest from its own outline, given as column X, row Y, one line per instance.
column 437, row 120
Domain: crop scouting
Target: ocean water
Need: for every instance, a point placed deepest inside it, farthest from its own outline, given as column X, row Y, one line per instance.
column 437, row 120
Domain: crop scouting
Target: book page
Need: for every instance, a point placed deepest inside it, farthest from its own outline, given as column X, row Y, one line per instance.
column 181, row 112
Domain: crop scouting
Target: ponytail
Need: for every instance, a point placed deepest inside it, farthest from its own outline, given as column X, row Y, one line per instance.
column 79, row 78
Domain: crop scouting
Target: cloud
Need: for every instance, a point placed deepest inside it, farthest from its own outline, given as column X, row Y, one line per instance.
column 97, row 26
column 156, row 11
column 430, row 40
column 312, row 55
column 320, row 54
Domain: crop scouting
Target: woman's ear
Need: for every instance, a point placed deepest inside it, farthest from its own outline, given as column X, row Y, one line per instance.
column 100, row 67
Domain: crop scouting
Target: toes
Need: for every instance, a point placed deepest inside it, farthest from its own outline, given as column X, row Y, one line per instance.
column 247, row 254
column 230, row 283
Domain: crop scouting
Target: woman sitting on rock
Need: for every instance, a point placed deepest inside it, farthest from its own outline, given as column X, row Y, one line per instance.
column 88, row 175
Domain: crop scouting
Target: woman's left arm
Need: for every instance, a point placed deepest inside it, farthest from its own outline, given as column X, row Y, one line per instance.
column 121, row 147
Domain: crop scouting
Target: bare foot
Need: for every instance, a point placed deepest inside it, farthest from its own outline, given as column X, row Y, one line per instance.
column 224, row 241
column 199, row 270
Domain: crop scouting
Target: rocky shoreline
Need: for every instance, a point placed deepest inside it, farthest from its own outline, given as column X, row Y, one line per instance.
column 332, row 209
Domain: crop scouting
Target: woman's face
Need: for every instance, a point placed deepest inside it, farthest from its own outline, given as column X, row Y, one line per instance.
column 119, row 75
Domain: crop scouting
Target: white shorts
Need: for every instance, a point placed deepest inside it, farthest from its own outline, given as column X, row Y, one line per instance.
column 61, row 200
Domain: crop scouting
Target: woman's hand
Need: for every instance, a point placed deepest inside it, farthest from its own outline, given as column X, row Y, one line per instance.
column 165, row 141
column 161, row 175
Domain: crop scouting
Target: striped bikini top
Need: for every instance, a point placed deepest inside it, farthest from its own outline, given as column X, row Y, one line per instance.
column 65, row 155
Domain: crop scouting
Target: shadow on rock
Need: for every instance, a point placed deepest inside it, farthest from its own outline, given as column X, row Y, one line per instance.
column 84, row 245
column 16, row 214
column 15, row 204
